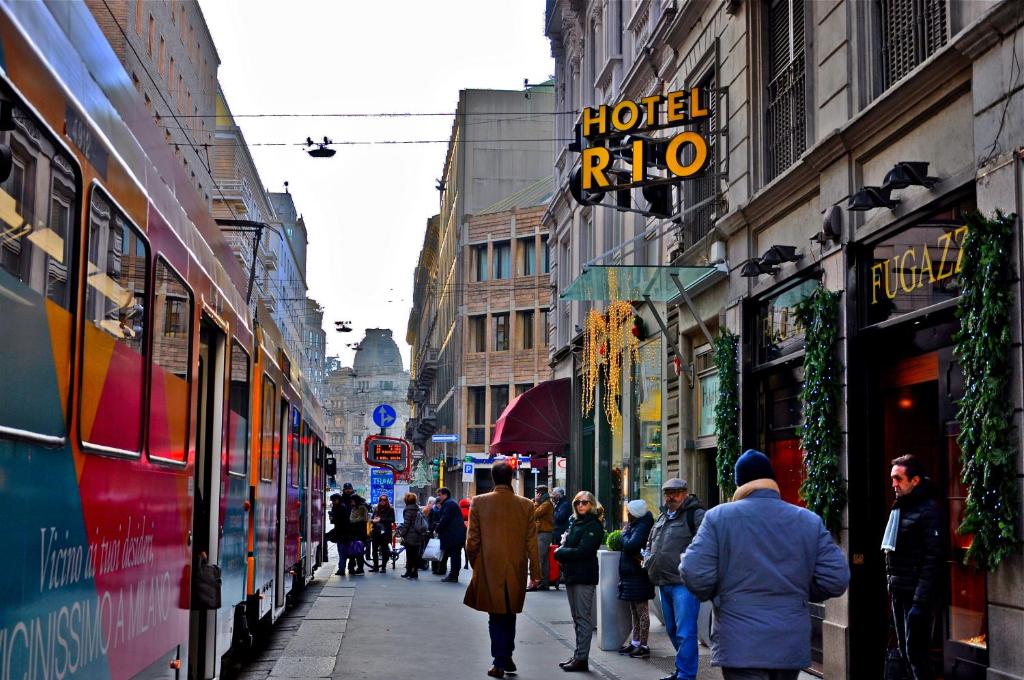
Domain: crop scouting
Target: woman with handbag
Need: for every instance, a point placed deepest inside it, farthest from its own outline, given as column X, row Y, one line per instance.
column 578, row 558
column 380, row 537
column 357, row 535
column 634, row 585
column 413, row 533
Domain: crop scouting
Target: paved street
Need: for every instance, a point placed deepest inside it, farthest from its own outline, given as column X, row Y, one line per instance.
column 380, row 627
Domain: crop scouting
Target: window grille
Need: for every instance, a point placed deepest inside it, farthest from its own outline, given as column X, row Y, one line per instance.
column 698, row 223
column 912, row 30
column 786, row 133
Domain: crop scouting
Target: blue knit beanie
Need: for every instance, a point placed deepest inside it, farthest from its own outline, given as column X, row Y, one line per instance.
column 753, row 465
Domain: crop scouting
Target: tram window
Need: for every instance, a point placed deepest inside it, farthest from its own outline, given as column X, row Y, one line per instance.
column 267, row 430
column 298, row 432
column 39, row 203
column 115, row 326
column 238, row 413
column 172, row 342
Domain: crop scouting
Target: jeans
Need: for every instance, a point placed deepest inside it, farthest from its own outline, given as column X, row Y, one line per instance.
column 681, row 607
column 913, row 634
column 581, row 607
column 543, row 542
column 502, row 628
column 759, row 674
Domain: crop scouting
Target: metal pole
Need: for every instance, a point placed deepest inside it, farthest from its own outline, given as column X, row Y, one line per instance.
column 693, row 310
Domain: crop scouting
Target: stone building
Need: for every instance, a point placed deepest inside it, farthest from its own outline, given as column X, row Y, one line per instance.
column 813, row 107
column 487, row 161
column 167, row 50
column 376, row 377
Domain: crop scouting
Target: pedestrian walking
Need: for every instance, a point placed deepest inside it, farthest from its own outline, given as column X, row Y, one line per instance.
column 912, row 544
column 762, row 560
column 578, row 559
column 380, row 534
column 670, row 537
column 452, row 533
column 561, row 515
column 635, row 586
column 359, row 517
column 502, row 545
column 543, row 515
column 413, row 532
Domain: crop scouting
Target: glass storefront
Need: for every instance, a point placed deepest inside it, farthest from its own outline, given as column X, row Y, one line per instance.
column 648, row 383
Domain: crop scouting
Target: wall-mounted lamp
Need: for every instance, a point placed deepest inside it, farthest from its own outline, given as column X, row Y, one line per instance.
column 831, row 227
column 909, row 174
column 754, row 267
column 869, row 198
column 776, row 255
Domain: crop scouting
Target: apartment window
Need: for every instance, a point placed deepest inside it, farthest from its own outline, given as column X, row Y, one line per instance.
column 138, row 16
column 170, row 77
column 613, row 231
column 545, row 255
column 478, row 333
column 586, row 241
column 786, row 135
column 524, row 329
column 181, row 90
column 698, row 221
column 477, row 421
column 523, row 387
column 160, row 64
column 480, row 262
column 499, row 400
column 526, row 256
column 912, row 30
column 545, row 327
column 502, row 260
column 500, row 332
column 152, row 35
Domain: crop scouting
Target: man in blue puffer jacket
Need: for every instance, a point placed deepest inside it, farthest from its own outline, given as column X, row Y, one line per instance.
column 761, row 560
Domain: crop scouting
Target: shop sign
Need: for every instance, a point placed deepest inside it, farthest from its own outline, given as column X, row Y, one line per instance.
column 614, row 141
column 915, row 269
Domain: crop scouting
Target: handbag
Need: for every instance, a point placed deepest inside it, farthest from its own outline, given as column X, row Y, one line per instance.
column 354, row 548
column 206, row 586
column 433, row 550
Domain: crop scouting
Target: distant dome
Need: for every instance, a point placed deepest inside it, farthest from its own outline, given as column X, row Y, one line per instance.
column 377, row 353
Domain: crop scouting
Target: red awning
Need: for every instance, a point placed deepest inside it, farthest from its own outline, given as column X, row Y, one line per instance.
column 537, row 421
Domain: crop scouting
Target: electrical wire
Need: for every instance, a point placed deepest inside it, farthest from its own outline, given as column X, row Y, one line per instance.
column 383, row 114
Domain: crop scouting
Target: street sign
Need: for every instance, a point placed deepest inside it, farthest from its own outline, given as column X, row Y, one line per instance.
column 467, row 472
column 382, row 483
column 384, row 416
column 444, row 438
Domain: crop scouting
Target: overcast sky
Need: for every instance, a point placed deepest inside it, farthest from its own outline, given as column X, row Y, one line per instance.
column 366, row 208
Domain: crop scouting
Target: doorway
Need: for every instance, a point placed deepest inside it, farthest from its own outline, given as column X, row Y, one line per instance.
column 209, row 410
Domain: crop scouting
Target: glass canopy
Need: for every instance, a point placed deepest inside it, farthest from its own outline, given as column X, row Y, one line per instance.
column 633, row 283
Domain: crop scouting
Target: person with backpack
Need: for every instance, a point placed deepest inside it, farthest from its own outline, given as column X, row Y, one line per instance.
column 413, row 532
column 670, row 537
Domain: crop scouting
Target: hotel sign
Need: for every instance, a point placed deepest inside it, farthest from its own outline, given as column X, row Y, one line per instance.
column 916, row 268
column 618, row 156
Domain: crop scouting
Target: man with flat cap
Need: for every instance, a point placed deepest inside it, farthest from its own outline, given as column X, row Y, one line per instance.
column 671, row 536
column 761, row 560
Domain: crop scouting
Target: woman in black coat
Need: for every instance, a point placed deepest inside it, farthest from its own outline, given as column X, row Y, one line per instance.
column 382, row 521
column 634, row 585
column 578, row 559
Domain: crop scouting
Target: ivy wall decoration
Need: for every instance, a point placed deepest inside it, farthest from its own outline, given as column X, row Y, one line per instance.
column 824, row 488
column 985, row 413
column 727, row 409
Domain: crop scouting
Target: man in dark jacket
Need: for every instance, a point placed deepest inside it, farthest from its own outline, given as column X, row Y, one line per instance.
column 670, row 537
column 452, row 532
column 543, row 515
column 913, row 558
column 560, row 518
column 762, row 560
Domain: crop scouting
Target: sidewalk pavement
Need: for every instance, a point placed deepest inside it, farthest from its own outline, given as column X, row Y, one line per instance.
column 382, row 627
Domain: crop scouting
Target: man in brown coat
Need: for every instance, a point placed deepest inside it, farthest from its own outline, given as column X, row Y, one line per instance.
column 502, row 540
column 544, row 516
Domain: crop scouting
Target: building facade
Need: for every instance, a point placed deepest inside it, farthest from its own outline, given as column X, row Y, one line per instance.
column 811, row 102
column 487, row 160
column 376, row 377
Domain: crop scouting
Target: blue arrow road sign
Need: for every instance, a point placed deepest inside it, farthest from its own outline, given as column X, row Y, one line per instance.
column 441, row 438
column 384, row 416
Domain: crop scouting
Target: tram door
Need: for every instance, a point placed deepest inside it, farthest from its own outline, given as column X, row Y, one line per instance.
column 280, row 586
column 203, row 647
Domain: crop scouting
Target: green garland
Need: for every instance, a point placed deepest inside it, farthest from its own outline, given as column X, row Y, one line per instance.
column 727, row 409
column 824, row 489
column 985, row 414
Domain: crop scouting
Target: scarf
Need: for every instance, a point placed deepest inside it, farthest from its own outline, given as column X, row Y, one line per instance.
column 892, row 529
column 755, row 485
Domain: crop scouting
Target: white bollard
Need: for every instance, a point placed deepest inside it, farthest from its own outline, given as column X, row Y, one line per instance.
column 613, row 622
